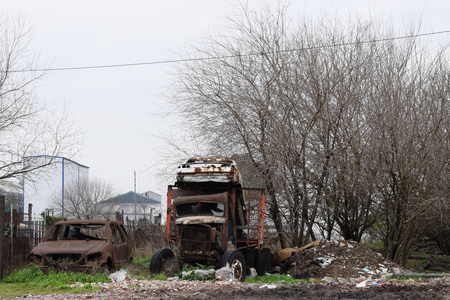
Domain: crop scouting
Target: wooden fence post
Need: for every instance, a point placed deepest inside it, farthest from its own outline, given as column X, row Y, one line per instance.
column 2, row 232
column 30, row 209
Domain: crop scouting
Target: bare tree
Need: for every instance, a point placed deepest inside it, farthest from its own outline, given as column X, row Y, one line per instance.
column 82, row 199
column 409, row 110
column 284, row 110
column 340, row 128
column 27, row 127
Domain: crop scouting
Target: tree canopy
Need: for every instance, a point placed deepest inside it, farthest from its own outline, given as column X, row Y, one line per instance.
column 346, row 128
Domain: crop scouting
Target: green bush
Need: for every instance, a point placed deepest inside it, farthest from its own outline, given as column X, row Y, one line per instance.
column 142, row 262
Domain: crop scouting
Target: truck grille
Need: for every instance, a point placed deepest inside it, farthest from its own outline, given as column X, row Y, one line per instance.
column 195, row 240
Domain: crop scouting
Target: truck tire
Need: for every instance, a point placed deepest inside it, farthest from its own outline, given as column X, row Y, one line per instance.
column 236, row 261
column 158, row 260
column 262, row 264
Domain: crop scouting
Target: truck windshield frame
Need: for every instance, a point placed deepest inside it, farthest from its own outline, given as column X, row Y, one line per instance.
column 200, row 208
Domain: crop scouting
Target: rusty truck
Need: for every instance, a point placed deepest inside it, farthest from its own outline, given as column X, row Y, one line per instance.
column 213, row 220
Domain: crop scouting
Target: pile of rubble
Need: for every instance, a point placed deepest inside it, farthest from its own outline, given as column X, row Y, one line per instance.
column 338, row 259
column 327, row 288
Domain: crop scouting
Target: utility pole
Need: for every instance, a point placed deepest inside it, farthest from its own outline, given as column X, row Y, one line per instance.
column 135, row 219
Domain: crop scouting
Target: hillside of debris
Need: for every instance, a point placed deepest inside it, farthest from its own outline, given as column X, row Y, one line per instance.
column 346, row 259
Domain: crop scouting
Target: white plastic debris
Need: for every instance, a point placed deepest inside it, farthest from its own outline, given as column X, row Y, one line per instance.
column 225, row 273
column 118, row 276
column 364, row 283
column 324, row 261
column 268, row 286
column 200, row 273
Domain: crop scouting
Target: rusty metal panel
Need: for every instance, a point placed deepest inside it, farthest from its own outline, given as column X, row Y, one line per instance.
column 198, row 170
column 21, row 248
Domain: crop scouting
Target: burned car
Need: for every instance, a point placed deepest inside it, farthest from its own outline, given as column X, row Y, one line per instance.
column 83, row 245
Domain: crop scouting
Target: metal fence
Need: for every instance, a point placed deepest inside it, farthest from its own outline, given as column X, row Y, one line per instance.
column 19, row 233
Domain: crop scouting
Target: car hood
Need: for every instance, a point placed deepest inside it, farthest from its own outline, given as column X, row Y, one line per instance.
column 190, row 220
column 82, row 246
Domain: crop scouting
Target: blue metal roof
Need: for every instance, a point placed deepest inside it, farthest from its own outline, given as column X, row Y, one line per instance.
column 128, row 198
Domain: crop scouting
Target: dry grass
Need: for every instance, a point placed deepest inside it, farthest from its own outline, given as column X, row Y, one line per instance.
column 138, row 270
column 146, row 239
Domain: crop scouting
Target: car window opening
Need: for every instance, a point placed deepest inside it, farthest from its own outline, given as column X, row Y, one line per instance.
column 79, row 232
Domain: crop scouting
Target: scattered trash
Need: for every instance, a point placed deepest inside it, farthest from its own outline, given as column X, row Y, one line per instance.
column 345, row 259
column 324, row 261
column 268, row 286
column 119, row 276
column 368, row 271
column 224, row 273
column 362, row 284
column 382, row 283
column 200, row 273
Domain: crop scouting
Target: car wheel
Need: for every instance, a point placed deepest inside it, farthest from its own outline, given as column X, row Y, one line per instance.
column 236, row 261
column 160, row 259
column 107, row 268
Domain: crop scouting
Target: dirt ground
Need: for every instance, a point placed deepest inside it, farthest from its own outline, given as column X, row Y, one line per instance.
column 336, row 269
column 141, row 289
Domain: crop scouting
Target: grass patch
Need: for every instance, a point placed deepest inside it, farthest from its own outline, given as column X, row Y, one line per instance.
column 192, row 276
column 405, row 278
column 139, row 267
column 161, row 276
column 274, row 278
column 143, row 262
column 33, row 281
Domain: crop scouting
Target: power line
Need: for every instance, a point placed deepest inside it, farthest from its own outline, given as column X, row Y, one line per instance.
column 173, row 61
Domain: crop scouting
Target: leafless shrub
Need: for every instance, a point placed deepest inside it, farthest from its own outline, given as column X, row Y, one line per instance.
column 146, row 239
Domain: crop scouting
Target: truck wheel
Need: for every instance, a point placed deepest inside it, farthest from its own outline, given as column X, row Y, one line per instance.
column 159, row 259
column 262, row 264
column 236, row 261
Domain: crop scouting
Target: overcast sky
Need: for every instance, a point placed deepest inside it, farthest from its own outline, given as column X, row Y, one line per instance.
column 118, row 108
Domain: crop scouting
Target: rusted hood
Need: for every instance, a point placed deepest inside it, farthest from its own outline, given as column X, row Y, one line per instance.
column 200, row 220
column 82, row 247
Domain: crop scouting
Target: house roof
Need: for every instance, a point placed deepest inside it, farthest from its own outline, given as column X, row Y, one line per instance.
column 128, row 198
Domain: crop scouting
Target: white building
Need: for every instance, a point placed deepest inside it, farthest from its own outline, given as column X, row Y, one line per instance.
column 45, row 187
column 137, row 206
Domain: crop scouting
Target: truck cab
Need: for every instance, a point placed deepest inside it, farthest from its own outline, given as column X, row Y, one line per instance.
column 212, row 219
